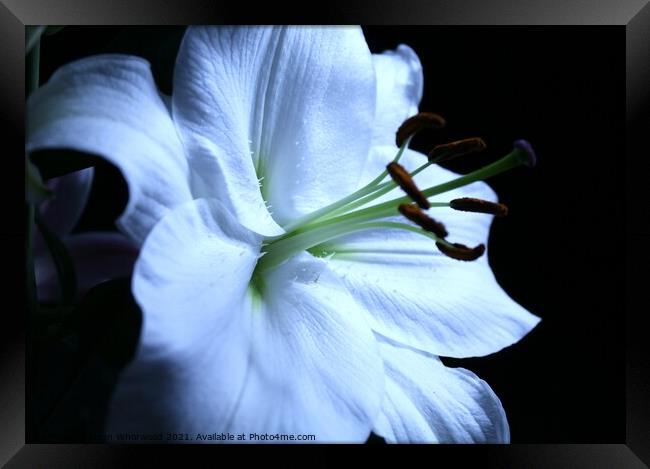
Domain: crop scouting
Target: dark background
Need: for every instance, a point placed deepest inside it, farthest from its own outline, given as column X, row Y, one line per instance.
column 559, row 253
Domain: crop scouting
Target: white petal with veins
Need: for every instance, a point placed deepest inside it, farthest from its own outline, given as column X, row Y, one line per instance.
column 297, row 357
column 294, row 106
column 426, row 402
column 108, row 105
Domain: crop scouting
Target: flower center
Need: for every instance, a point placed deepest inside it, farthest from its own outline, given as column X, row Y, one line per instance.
column 356, row 212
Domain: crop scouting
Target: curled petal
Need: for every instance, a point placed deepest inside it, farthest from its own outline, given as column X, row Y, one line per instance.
column 108, row 105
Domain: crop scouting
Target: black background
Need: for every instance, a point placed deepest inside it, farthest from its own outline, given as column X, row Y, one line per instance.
column 560, row 251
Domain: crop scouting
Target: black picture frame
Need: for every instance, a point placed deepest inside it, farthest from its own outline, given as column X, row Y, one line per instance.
column 633, row 16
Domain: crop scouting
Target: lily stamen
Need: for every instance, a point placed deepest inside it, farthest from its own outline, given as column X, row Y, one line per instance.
column 417, row 216
column 352, row 213
column 416, row 123
column 401, row 176
column 522, row 154
column 460, row 252
column 451, row 150
column 470, row 204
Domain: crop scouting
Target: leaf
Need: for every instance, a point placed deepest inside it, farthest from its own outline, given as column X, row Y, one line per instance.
column 32, row 36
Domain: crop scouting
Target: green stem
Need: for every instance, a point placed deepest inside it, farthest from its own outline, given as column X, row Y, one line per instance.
column 402, row 226
column 32, row 75
column 33, row 311
column 32, row 300
column 33, row 51
column 301, row 222
column 320, row 232
column 369, row 214
column 284, row 249
column 323, row 231
column 421, row 168
column 32, row 37
column 380, row 190
column 513, row 159
column 33, row 59
column 365, row 190
column 33, row 68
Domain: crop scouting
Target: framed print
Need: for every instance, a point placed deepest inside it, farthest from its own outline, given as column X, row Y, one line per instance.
column 427, row 234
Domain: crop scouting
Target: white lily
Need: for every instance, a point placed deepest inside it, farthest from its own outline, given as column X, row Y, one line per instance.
column 262, row 311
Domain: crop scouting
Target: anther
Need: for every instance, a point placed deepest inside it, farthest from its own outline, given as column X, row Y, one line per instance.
column 460, row 251
column 528, row 154
column 417, row 216
column 448, row 151
column 415, row 123
column 402, row 177
column 470, row 204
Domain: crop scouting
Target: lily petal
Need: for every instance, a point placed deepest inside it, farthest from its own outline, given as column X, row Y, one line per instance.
column 399, row 91
column 216, row 355
column 314, row 359
column 292, row 107
column 62, row 211
column 426, row 402
column 190, row 281
column 415, row 295
column 96, row 256
column 108, row 105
